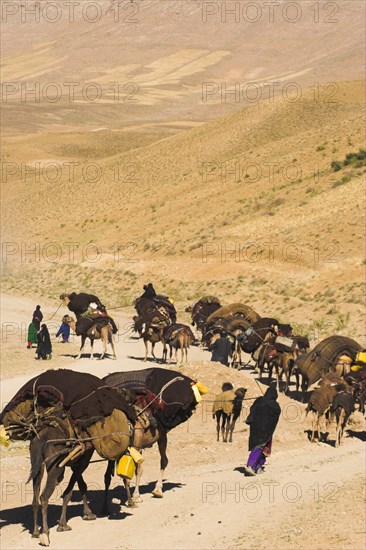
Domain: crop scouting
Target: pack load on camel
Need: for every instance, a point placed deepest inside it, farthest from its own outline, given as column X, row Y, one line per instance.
column 67, row 415
column 202, row 310
column 232, row 318
column 149, row 304
column 167, row 396
column 324, row 358
column 89, row 312
column 89, row 409
column 171, row 331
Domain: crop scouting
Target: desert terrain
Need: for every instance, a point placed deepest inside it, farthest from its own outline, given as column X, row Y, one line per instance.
column 210, row 152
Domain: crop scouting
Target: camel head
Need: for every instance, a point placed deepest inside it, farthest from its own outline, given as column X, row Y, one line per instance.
column 70, row 321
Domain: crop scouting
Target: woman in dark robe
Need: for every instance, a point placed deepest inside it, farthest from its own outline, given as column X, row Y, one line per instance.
column 44, row 347
column 37, row 318
column 263, row 418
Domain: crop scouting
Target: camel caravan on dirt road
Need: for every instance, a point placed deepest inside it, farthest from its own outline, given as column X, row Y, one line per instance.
column 67, row 415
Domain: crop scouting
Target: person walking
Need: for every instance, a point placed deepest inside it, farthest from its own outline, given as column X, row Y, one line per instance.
column 44, row 347
column 37, row 318
column 262, row 419
column 64, row 331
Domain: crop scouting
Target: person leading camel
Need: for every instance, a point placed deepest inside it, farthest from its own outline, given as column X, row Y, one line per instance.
column 262, row 419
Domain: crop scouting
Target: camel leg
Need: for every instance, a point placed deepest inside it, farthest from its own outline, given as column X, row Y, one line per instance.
column 146, row 351
column 218, row 428
column 53, row 479
column 340, row 419
column 162, row 444
column 130, row 501
column 152, row 349
column 111, row 341
column 223, row 426
column 36, row 490
column 104, row 338
column 77, row 470
column 91, row 348
column 136, row 494
column 313, row 426
column 165, row 353
column 232, row 427
column 228, row 428
column 83, row 338
column 107, row 483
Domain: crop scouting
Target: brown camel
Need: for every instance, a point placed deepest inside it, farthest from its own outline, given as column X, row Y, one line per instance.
column 180, row 339
column 153, row 333
column 94, row 333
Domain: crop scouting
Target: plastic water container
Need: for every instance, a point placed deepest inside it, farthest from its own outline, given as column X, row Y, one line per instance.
column 197, row 394
column 126, row 467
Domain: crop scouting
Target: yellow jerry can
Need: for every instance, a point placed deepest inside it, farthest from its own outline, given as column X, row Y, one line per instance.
column 126, row 467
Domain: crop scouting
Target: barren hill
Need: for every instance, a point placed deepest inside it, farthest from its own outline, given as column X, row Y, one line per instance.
column 259, row 183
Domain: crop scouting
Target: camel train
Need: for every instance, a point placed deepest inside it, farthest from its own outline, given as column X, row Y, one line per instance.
column 67, row 415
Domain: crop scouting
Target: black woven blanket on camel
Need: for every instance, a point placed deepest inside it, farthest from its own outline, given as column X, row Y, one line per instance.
column 83, row 395
column 178, row 398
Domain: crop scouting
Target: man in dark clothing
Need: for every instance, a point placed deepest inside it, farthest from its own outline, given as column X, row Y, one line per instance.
column 263, row 418
column 44, row 346
column 80, row 304
column 221, row 349
column 37, row 318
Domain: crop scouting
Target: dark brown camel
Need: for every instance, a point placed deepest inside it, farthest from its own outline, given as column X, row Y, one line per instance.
column 49, row 451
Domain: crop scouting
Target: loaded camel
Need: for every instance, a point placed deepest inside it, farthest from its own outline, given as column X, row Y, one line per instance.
column 226, row 410
column 153, row 392
column 95, row 332
column 55, row 411
column 177, row 337
column 333, row 398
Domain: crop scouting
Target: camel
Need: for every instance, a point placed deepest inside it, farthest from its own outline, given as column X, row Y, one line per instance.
column 156, row 431
column 283, row 363
column 49, row 450
column 181, row 339
column 342, row 407
column 226, row 410
column 94, row 333
column 153, row 333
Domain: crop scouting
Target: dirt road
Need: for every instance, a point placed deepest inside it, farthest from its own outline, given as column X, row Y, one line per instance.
column 311, row 495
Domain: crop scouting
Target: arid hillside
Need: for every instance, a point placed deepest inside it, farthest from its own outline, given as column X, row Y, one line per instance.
column 263, row 206
column 166, row 64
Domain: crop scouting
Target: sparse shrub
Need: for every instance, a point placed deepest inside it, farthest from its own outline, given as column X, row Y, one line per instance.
column 336, row 165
